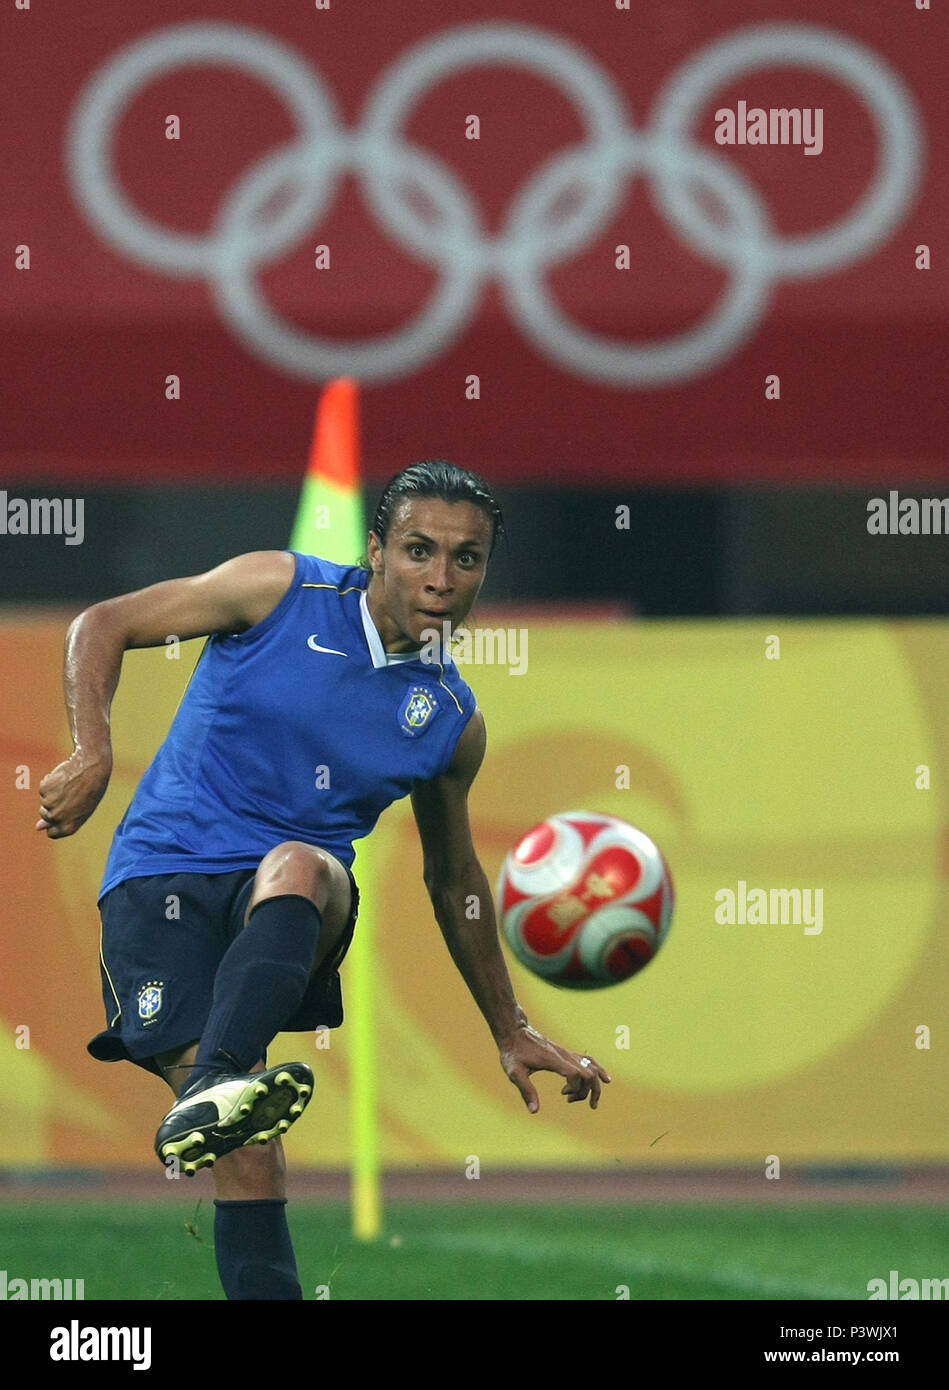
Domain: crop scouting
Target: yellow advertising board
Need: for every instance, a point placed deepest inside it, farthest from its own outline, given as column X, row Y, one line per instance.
column 777, row 763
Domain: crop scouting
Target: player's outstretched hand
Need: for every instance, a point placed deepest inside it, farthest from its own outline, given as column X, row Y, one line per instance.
column 71, row 792
column 529, row 1051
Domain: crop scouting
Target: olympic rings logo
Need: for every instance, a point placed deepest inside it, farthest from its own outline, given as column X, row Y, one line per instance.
column 683, row 174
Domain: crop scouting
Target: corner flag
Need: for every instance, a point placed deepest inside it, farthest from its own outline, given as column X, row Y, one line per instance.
column 330, row 522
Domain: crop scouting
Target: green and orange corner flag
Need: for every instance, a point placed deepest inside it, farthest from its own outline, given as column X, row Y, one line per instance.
column 330, row 522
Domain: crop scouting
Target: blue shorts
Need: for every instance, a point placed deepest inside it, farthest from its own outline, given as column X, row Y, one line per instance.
column 163, row 937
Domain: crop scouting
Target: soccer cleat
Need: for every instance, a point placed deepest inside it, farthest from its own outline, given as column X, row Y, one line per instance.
column 225, row 1111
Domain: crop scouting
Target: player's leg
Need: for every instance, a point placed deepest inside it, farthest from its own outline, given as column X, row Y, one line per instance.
column 252, row 1243
column 298, row 912
column 261, row 980
column 294, row 868
column 162, row 943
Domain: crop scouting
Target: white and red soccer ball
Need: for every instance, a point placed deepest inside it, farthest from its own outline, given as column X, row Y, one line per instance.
column 585, row 900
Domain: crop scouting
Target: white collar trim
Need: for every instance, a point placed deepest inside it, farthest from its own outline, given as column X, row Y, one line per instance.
column 376, row 650
column 380, row 657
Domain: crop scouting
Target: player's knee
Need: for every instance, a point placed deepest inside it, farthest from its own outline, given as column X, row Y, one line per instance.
column 257, row 1171
column 302, row 868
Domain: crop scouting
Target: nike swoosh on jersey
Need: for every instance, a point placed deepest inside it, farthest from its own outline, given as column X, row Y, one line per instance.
column 315, row 647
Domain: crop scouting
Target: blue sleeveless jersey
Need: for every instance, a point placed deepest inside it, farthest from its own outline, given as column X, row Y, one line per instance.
column 296, row 729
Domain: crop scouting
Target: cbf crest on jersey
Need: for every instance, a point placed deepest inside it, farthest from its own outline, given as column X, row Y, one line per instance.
column 149, row 999
column 417, row 711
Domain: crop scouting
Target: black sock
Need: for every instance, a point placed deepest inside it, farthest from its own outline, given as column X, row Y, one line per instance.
column 260, row 982
column 253, row 1249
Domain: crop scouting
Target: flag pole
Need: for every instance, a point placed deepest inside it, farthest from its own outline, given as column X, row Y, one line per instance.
column 330, row 522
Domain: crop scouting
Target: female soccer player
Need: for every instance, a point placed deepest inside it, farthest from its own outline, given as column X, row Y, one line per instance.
column 323, row 694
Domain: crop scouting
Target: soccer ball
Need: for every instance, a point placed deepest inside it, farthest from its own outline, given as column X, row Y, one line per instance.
column 585, row 900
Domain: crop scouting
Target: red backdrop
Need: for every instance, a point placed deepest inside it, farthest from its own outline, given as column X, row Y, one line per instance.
column 90, row 334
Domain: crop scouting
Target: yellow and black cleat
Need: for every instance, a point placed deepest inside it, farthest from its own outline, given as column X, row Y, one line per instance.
column 225, row 1112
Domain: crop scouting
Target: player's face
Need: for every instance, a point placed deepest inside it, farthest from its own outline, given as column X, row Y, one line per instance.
column 430, row 571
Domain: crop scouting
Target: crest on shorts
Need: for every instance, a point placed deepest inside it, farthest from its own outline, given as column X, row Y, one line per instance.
column 417, row 710
column 149, row 999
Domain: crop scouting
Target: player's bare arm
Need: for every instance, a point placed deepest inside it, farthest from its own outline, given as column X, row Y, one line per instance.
column 454, row 877
column 230, row 598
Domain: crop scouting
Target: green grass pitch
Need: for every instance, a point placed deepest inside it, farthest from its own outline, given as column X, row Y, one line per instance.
column 479, row 1251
